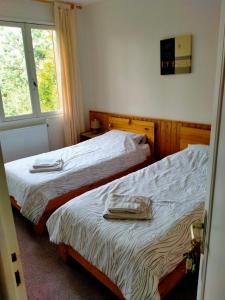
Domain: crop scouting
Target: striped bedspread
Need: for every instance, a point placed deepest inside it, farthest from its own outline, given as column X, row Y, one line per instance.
column 136, row 254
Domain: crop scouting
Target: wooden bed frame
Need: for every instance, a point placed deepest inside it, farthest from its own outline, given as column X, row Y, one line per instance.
column 168, row 282
column 140, row 127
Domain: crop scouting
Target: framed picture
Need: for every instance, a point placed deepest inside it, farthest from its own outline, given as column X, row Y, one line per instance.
column 176, row 55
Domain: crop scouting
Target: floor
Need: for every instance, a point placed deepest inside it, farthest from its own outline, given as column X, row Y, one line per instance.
column 48, row 278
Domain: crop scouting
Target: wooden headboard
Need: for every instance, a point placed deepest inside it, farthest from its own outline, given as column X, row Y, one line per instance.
column 136, row 126
column 167, row 132
column 190, row 135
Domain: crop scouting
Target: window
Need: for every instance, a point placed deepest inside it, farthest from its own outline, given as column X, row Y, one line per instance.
column 45, row 69
column 13, row 75
column 28, row 85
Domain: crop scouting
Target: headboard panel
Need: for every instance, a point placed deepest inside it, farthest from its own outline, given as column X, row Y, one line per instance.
column 167, row 132
column 190, row 135
column 132, row 125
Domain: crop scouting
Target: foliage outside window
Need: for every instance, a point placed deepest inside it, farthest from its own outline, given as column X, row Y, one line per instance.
column 45, row 68
column 28, row 83
column 13, row 75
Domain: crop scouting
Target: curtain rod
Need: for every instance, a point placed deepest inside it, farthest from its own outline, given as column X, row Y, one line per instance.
column 72, row 5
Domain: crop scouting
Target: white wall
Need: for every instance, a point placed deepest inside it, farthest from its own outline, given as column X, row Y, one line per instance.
column 41, row 13
column 26, row 10
column 120, row 57
column 55, row 132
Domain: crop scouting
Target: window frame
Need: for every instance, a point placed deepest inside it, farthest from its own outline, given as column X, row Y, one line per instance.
column 31, row 73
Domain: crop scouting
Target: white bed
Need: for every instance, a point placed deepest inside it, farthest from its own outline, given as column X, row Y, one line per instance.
column 84, row 163
column 135, row 255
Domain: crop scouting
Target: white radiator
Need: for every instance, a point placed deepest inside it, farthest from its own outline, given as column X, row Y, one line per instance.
column 23, row 142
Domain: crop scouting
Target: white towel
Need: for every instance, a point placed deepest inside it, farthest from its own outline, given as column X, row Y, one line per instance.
column 58, row 167
column 118, row 203
column 127, row 207
column 46, row 163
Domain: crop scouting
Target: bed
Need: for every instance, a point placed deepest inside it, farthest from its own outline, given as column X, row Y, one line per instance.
column 87, row 165
column 138, row 259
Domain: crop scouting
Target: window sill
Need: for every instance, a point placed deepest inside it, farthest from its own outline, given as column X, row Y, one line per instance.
column 11, row 124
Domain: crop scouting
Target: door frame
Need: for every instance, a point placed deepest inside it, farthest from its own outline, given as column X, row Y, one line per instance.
column 10, row 262
column 214, row 143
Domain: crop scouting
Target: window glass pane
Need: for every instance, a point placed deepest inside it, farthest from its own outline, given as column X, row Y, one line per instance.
column 13, row 75
column 45, row 68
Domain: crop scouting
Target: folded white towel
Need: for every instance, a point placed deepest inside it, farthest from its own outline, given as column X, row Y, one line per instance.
column 126, row 203
column 125, row 216
column 46, row 163
column 127, row 207
column 58, row 167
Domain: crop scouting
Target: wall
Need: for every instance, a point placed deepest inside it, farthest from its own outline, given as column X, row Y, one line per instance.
column 26, row 10
column 41, row 13
column 120, row 57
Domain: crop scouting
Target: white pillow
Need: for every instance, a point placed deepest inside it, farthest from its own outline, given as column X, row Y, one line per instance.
column 137, row 138
column 200, row 147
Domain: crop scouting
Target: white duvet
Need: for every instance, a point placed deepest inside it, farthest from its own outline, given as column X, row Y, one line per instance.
column 84, row 163
column 136, row 254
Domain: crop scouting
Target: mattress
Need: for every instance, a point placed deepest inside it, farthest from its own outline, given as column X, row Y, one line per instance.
column 84, row 163
column 136, row 254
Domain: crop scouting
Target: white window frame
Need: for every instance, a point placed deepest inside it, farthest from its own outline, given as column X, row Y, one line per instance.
column 31, row 73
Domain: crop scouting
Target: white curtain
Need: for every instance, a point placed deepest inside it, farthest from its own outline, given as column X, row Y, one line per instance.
column 68, row 72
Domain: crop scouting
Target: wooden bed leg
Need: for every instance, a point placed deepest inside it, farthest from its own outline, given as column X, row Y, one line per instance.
column 62, row 252
column 39, row 228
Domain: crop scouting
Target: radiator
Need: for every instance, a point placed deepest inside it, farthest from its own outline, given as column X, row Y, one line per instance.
column 22, row 142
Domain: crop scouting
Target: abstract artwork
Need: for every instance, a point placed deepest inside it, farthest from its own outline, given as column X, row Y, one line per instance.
column 176, row 55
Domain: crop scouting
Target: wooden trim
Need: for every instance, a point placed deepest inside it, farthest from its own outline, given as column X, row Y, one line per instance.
column 166, row 284
column 53, row 204
column 144, row 118
column 193, row 136
column 167, row 132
